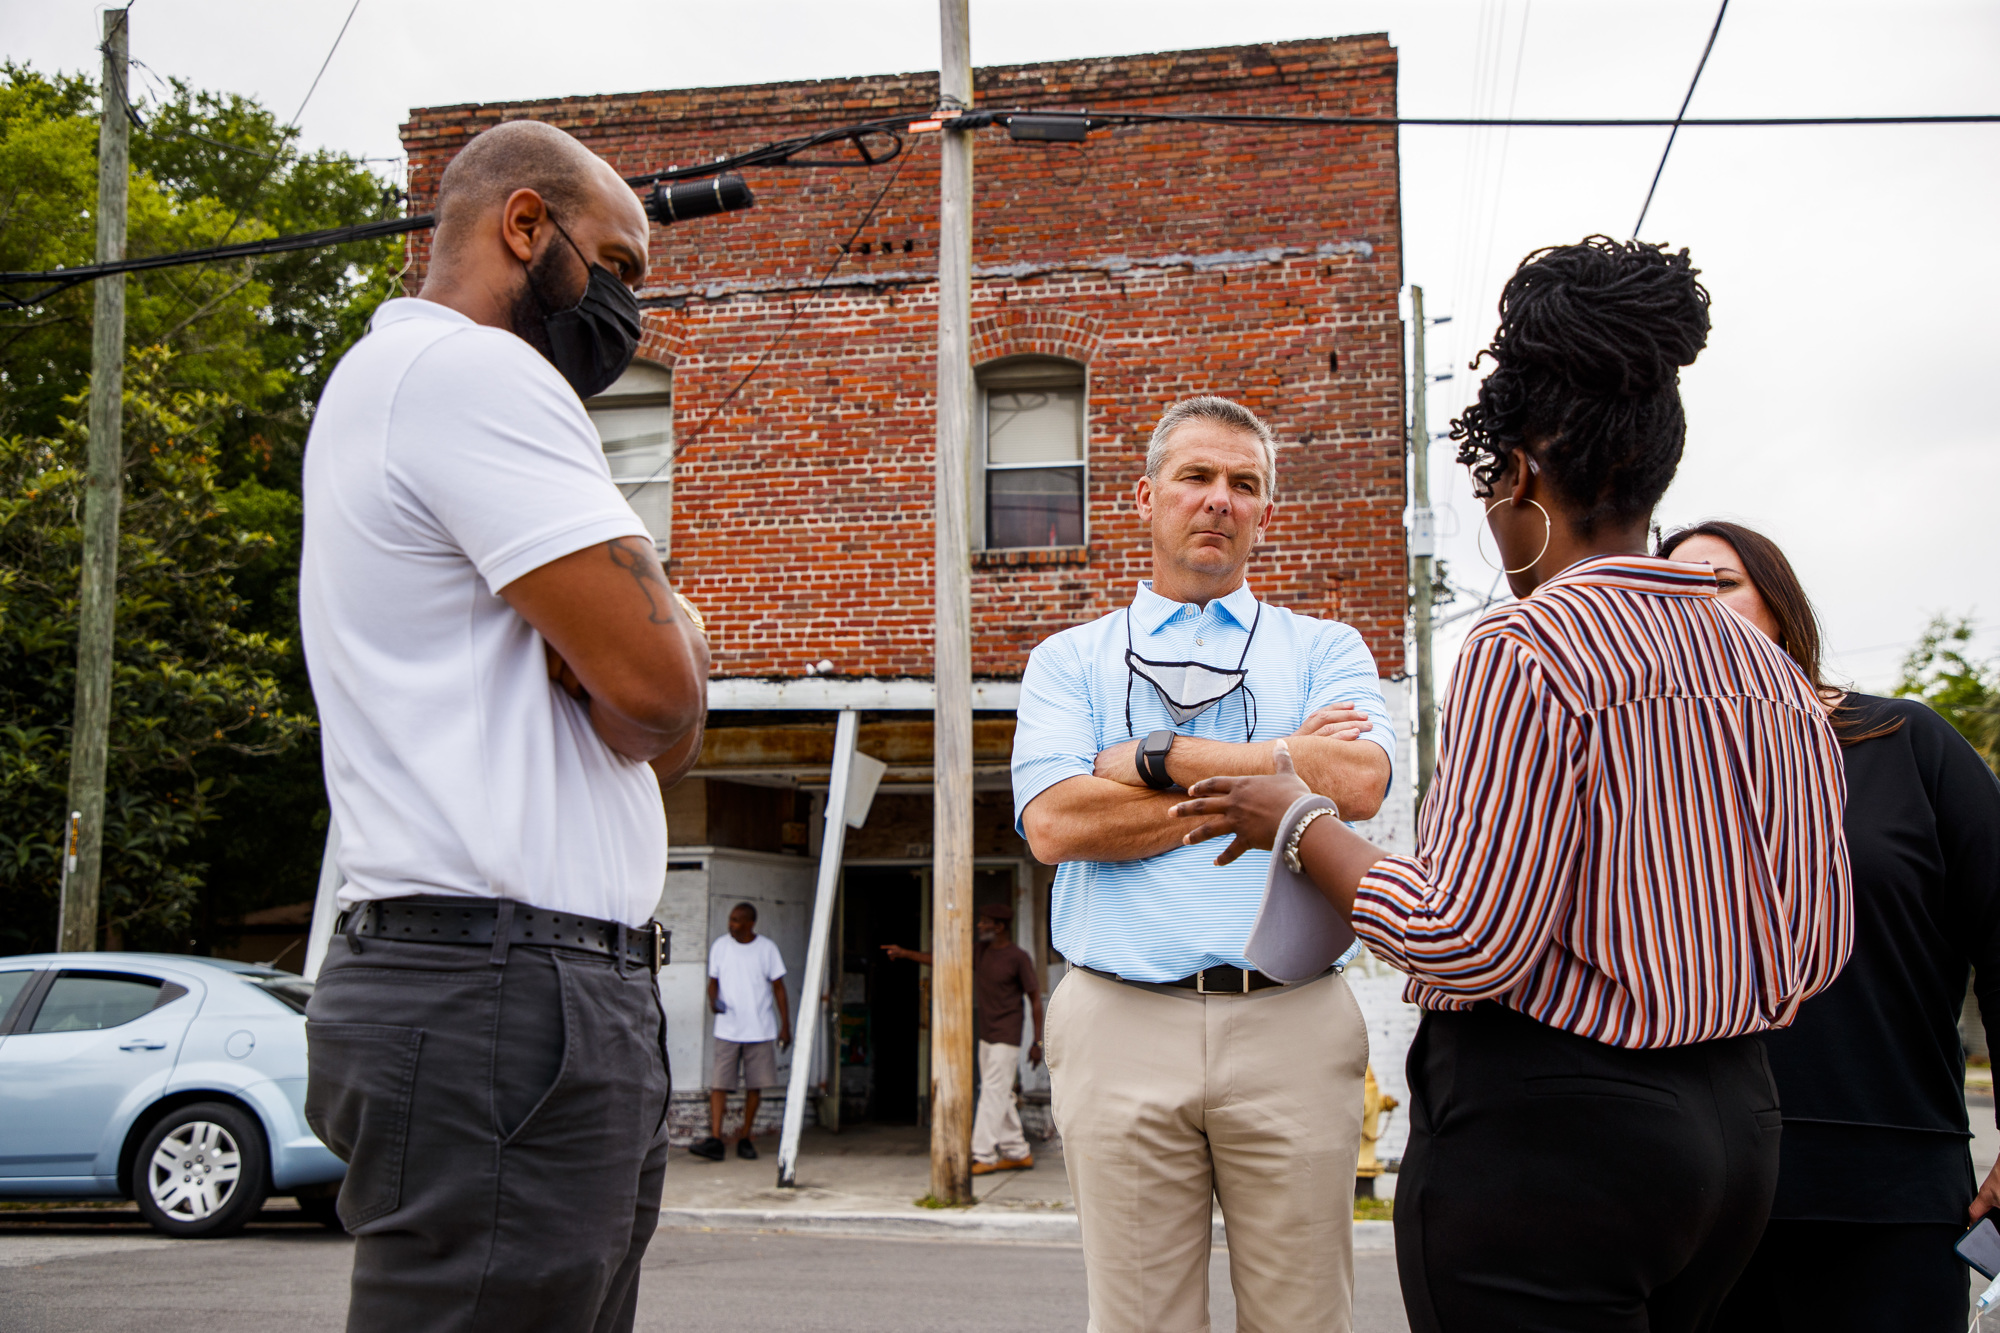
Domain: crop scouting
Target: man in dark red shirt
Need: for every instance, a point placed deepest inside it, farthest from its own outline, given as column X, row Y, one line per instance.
column 1003, row 975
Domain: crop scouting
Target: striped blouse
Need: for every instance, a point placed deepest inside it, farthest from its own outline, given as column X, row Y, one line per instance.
column 1634, row 831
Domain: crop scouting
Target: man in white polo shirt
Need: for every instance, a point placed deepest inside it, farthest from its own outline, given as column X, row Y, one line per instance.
column 504, row 681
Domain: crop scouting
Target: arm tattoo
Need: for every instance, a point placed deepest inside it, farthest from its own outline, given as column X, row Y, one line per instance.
column 637, row 559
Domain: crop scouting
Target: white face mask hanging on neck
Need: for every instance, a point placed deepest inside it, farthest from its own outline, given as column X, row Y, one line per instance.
column 1189, row 689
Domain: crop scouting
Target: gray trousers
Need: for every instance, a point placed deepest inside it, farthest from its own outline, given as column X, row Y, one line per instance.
column 503, row 1117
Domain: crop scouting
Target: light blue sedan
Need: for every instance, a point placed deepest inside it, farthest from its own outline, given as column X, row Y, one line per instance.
column 175, row 1081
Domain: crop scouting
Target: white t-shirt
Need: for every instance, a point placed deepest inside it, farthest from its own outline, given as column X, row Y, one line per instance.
column 446, row 460
column 744, row 973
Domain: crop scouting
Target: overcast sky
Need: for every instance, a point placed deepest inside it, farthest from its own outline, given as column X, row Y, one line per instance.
column 1841, row 405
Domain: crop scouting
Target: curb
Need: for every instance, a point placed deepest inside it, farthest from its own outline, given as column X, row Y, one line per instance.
column 941, row 1224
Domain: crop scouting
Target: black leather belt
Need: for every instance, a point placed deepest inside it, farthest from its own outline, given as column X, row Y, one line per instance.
column 1208, row 981
column 433, row 919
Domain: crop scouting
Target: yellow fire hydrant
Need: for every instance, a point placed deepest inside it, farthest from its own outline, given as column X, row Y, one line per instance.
column 1375, row 1108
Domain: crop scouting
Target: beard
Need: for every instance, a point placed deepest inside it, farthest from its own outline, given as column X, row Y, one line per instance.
column 539, row 297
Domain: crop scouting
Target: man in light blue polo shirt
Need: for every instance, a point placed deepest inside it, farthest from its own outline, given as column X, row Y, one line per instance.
column 1178, row 1074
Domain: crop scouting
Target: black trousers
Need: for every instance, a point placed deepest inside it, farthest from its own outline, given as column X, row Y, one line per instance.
column 1831, row 1277
column 1553, row 1183
column 504, row 1125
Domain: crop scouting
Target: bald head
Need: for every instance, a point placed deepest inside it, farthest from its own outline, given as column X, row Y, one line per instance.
column 515, row 155
column 526, row 195
column 528, row 155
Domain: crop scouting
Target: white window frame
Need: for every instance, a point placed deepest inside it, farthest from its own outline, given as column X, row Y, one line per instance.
column 1055, row 372
column 663, row 484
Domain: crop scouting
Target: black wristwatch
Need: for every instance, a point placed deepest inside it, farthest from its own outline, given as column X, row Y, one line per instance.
column 1152, row 759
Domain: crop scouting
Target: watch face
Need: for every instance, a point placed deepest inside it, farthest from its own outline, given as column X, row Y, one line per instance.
column 1157, row 742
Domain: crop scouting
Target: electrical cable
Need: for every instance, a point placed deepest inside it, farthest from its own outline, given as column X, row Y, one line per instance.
column 1478, row 156
column 1466, row 328
column 1475, row 122
column 293, row 124
column 783, row 335
column 784, row 153
column 63, row 279
column 323, row 64
column 1473, row 162
column 1699, row 67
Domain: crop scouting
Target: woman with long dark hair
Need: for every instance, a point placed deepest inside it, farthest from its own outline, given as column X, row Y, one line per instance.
column 1629, row 864
column 1874, row 1178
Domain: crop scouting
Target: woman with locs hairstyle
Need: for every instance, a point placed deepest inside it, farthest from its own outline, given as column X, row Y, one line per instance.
column 1874, row 1179
column 1630, row 862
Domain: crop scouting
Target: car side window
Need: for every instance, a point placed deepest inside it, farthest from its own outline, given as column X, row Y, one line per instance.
column 88, row 1001
column 13, row 985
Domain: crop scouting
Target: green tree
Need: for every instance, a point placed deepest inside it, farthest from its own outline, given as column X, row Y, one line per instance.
column 1966, row 692
column 195, row 688
column 251, row 344
column 207, row 170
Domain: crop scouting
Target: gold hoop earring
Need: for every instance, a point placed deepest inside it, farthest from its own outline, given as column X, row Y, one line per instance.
column 1548, row 534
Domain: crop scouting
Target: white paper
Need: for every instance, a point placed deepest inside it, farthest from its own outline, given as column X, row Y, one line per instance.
column 1298, row 934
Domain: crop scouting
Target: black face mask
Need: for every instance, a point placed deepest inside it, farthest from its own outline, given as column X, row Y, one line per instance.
column 591, row 343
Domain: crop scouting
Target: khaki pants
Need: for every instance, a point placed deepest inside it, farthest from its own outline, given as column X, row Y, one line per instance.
column 1166, row 1099
column 996, row 1126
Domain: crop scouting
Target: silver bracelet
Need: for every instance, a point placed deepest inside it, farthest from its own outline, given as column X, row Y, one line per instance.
column 1299, row 831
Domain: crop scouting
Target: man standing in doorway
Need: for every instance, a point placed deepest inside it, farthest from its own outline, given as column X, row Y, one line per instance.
column 1003, row 975
column 1178, row 1074
column 746, row 989
column 497, row 657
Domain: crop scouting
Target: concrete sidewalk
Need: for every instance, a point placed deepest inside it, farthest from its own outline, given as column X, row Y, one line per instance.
column 867, row 1181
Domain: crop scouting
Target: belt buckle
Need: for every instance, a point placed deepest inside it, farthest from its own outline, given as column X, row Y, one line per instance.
column 660, row 937
column 1201, row 983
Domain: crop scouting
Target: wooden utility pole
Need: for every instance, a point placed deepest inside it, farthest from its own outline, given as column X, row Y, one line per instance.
column 1423, row 546
column 103, row 492
column 951, row 847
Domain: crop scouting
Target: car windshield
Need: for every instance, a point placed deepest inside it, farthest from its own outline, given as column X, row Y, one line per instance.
column 292, row 992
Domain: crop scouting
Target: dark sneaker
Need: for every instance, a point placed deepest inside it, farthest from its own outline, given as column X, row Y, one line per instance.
column 711, row 1147
column 746, row 1150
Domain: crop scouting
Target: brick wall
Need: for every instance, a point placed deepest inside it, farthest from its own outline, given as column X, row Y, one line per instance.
column 1169, row 260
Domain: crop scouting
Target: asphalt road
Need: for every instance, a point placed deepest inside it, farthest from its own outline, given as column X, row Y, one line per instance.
column 65, row 1271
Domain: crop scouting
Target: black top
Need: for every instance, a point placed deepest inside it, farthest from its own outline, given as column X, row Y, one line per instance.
column 1872, row 1076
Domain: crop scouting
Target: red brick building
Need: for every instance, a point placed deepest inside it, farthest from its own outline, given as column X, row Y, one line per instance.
column 1111, row 277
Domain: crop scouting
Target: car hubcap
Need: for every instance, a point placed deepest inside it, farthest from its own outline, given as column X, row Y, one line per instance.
column 194, row 1170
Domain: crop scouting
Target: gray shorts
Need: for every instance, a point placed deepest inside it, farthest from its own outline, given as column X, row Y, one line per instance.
column 755, row 1061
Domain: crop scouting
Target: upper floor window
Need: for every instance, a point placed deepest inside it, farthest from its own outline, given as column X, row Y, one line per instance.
column 1031, row 453
column 635, row 421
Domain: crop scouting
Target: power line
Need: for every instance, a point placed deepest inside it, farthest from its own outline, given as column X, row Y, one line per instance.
column 328, row 61
column 785, row 153
column 63, row 279
column 1702, row 65
column 1465, row 329
column 1478, row 144
column 230, row 230
column 784, row 334
column 1105, row 118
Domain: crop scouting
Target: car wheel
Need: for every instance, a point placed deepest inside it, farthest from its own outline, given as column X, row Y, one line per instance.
column 201, row 1171
column 320, row 1208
